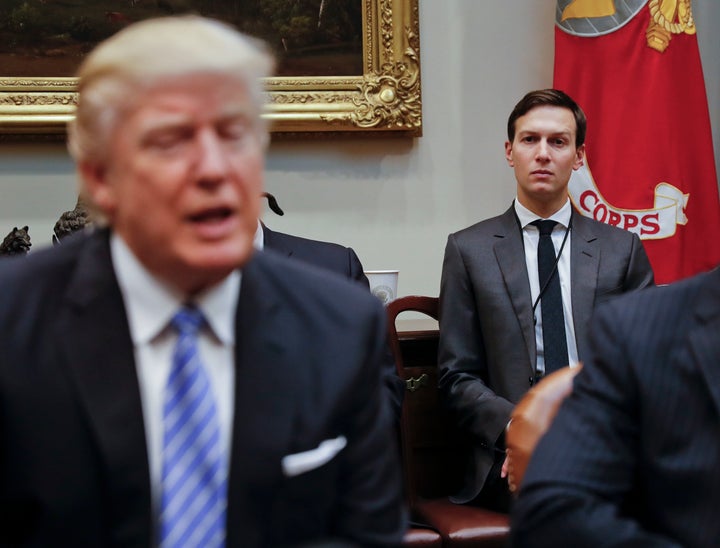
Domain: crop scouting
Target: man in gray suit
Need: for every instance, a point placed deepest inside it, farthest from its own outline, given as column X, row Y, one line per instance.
column 492, row 343
column 632, row 457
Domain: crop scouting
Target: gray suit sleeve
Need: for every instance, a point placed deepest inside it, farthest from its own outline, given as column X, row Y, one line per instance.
column 462, row 360
column 640, row 273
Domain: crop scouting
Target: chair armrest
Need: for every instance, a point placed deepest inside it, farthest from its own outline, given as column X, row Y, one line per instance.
column 532, row 417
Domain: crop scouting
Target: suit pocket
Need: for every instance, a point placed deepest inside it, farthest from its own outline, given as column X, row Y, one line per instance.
column 605, row 295
column 300, row 463
column 305, row 505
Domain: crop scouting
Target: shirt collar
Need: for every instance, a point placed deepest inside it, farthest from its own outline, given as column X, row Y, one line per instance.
column 150, row 304
column 259, row 240
column 525, row 216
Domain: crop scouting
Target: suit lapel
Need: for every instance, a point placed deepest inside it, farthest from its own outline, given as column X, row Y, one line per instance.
column 266, row 376
column 95, row 340
column 510, row 254
column 703, row 340
column 584, row 267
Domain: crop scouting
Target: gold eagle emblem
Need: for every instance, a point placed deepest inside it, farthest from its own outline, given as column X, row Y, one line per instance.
column 668, row 17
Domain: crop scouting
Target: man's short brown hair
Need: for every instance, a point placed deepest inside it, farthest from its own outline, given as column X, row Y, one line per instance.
column 552, row 98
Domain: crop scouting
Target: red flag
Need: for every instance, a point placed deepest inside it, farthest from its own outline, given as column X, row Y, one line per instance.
column 634, row 68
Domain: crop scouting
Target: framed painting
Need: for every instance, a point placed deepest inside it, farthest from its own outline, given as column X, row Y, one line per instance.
column 344, row 66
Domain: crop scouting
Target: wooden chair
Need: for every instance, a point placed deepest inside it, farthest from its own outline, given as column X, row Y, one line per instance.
column 433, row 450
column 531, row 418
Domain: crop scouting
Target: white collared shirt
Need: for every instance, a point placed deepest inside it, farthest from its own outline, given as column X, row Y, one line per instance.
column 531, row 236
column 150, row 305
column 259, row 238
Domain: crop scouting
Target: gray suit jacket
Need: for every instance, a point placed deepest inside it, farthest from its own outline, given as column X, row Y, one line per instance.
column 487, row 351
column 631, row 459
column 73, row 456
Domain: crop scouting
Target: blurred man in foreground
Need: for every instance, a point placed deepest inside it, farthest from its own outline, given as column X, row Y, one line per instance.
column 159, row 382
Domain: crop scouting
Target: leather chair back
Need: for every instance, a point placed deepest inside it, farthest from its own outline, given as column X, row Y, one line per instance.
column 434, row 450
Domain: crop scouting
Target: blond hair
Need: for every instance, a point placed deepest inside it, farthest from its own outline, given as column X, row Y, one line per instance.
column 147, row 53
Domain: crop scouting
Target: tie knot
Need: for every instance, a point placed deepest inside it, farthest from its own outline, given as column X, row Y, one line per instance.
column 188, row 320
column 545, row 227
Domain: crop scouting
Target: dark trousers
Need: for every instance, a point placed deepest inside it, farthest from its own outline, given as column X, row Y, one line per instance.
column 495, row 494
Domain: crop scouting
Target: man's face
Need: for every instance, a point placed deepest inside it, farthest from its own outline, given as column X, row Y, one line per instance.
column 543, row 155
column 183, row 179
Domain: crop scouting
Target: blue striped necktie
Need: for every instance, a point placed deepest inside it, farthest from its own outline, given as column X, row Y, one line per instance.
column 194, row 475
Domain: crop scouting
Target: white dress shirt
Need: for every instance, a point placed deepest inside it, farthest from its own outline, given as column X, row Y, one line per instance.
column 531, row 236
column 150, row 305
column 259, row 238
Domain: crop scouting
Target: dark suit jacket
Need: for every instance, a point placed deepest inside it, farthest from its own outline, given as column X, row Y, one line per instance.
column 632, row 457
column 341, row 260
column 487, row 351
column 73, row 457
column 334, row 257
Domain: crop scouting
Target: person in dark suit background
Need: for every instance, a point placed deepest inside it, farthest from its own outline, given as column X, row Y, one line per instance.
column 331, row 256
column 281, row 433
column 631, row 459
column 492, row 342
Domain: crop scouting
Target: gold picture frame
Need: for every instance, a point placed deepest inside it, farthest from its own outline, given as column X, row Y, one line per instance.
column 384, row 100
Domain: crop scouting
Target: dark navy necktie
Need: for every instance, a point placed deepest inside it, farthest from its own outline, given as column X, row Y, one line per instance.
column 553, row 320
column 194, row 476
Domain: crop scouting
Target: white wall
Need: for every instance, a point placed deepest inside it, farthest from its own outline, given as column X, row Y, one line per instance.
column 393, row 200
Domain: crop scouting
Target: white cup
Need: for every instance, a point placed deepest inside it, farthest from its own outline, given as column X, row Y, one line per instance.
column 383, row 284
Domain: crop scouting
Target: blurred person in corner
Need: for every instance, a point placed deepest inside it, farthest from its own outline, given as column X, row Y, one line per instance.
column 631, row 459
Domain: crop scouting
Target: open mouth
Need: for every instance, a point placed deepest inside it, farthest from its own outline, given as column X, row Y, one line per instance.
column 216, row 223
column 214, row 215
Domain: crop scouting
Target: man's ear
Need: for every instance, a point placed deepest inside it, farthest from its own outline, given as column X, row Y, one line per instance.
column 579, row 157
column 508, row 154
column 97, row 186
